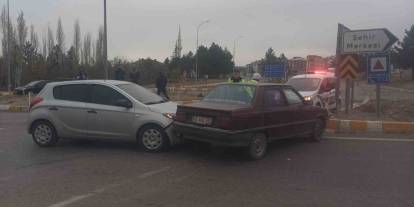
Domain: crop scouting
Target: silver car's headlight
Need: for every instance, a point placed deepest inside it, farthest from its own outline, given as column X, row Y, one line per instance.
column 169, row 115
column 308, row 98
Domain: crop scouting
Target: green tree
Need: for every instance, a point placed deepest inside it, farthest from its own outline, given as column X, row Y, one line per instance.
column 270, row 57
column 403, row 53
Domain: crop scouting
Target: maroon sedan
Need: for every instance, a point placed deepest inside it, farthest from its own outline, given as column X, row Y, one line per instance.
column 250, row 115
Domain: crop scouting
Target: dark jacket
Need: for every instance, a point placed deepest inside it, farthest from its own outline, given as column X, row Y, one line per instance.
column 161, row 81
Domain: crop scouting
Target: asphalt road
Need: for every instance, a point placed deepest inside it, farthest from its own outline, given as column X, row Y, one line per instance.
column 361, row 171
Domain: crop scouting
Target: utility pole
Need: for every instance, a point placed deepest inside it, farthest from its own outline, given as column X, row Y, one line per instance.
column 8, row 49
column 105, row 44
column 196, row 51
column 234, row 51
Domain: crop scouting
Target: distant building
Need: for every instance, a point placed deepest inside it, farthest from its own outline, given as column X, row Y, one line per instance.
column 253, row 67
column 314, row 63
column 297, row 65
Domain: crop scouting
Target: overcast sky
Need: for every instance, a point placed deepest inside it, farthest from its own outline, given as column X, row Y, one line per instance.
column 140, row 29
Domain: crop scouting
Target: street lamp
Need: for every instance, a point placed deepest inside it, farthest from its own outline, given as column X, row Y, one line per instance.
column 105, row 44
column 234, row 50
column 196, row 63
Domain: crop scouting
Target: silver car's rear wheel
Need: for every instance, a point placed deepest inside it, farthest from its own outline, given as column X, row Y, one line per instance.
column 44, row 134
column 153, row 138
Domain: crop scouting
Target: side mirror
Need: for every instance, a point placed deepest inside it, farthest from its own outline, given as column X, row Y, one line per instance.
column 124, row 103
column 310, row 102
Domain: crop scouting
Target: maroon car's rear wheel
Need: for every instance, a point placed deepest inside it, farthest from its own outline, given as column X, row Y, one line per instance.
column 257, row 147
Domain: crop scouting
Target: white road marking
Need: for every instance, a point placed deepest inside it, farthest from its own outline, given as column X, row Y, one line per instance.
column 151, row 173
column 71, row 200
column 105, row 188
column 371, row 139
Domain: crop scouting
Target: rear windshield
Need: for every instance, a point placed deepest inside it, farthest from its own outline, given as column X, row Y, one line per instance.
column 235, row 94
column 141, row 94
column 304, row 84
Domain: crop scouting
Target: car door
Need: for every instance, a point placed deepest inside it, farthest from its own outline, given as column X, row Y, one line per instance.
column 105, row 118
column 302, row 121
column 277, row 114
column 68, row 110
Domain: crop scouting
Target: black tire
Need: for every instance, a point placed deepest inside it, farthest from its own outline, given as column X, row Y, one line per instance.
column 152, row 138
column 257, row 147
column 318, row 130
column 44, row 134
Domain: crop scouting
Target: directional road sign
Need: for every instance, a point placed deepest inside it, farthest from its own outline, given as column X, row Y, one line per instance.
column 367, row 41
column 378, row 69
column 349, row 66
column 275, row 71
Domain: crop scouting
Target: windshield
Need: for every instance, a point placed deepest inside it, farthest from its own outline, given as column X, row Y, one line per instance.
column 235, row 94
column 304, row 84
column 141, row 94
column 32, row 83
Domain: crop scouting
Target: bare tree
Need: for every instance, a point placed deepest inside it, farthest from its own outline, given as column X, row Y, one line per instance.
column 77, row 41
column 34, row 39
column 99, row 46
column 21, row 40
column 60, row 36
column 44, row 47
column 50, row 40
column 86, row 51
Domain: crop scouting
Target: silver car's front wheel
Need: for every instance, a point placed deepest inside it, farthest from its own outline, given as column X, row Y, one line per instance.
column 153, row 138
column 44, row 134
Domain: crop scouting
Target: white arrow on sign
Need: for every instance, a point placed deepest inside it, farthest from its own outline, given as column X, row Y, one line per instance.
column 367, row 41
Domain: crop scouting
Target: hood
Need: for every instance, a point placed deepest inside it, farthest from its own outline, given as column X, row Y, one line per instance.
column 167, row 107
column 307, row 93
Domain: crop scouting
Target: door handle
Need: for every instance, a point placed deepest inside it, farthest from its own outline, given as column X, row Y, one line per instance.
column 53, row 108
column 92, row 112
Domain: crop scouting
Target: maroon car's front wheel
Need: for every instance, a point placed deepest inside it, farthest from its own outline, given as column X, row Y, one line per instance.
column 257, row 147
column 318, row 130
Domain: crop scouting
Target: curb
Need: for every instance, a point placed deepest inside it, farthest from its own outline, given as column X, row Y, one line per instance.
column 12, row 108
column 355, row 126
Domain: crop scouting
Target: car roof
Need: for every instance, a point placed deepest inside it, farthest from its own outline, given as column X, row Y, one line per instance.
column 259, row 84
column 327, row 75
column 107, row 82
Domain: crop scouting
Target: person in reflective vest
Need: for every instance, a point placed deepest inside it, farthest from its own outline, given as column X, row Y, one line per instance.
column 236, row 78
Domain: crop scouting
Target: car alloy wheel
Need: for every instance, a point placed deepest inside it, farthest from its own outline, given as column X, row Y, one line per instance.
column 44, row 134
column 153, row 138
column 258, row 147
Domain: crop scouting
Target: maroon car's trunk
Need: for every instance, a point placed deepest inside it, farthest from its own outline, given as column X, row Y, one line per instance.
column 211, row 114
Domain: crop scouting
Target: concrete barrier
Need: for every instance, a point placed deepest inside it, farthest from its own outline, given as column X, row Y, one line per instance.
column 355, row 126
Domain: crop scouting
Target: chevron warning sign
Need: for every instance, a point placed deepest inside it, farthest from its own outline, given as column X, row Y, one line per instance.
column 349, row 66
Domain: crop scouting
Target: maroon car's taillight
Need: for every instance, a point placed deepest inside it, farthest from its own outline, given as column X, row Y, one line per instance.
column 180, row 116
column 36, row 100
column 224, row 123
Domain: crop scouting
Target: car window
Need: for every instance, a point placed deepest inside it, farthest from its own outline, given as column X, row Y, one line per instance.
column 292, row 97
column 304, row 84
column 141, row 94
column 331, row 83
column 324, row 85
column 274, row 97
column 105, row 95
column 72, row 92
column 232, row 93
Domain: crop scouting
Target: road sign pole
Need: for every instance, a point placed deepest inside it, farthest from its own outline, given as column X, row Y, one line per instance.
column 378, row 100
column 352, row 94
column 347, row 87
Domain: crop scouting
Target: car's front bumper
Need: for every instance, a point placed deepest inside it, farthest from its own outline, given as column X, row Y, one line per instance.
column 213, row 135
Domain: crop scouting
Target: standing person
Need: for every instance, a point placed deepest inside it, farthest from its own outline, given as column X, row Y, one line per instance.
column 81, row 75
column 161, row 84
column 134, row 76
column 119, row 74
column 255, row 78
column 236, row 78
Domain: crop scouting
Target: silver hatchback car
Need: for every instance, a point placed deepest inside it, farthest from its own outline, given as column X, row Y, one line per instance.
column 101, row 109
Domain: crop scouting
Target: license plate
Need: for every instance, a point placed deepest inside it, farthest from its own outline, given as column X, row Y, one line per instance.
column 202, row 120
